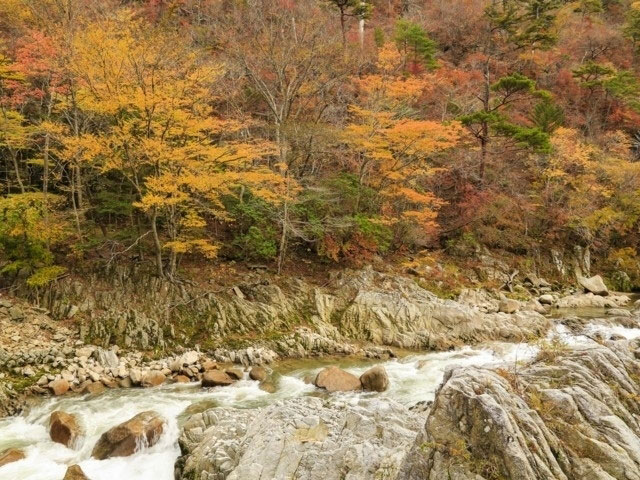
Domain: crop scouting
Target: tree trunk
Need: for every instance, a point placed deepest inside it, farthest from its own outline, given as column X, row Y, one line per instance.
column 156, row 241
column 484, row 139
column 76, row 215
column 14, row 158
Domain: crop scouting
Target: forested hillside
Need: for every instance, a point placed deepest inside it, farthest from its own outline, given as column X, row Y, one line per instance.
column 175, row 132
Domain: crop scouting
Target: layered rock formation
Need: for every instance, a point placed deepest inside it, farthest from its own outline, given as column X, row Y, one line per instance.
column 295, row 318
column 574, row 416
column 304, row 438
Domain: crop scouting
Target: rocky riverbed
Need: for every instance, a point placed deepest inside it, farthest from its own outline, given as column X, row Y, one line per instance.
column 249, row 413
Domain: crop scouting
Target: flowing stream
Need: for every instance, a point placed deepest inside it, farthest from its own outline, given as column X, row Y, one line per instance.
column 413, row 378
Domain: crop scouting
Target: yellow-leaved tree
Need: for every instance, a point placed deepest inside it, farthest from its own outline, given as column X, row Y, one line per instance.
column 392, row 146
column 153, row 92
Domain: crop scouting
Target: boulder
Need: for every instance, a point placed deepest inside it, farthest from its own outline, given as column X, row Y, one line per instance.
column 209, row 365
column 125, row 383
column 334, row 379
column 59, row 387
column 619, row 312
column 594, row 285
column 375, row 379
column 235, row 373
column 182, row 379
column 136, row 376
column 94, row 388
column 189, row 358
column 65, row 429
column 546, row 299
column 258, row 373
column 143, row 430
column 106, row 358
column 509, row 306
column 74, row 472
column 153, row 379
column 216, row 378
column 11, row 455
column 268, row 387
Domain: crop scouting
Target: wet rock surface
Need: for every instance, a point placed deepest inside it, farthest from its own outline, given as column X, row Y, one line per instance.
column 573, row 416
column 65, row 428
column 143, row 430
column 74, row 472
column 299, row 438
column 11, row 455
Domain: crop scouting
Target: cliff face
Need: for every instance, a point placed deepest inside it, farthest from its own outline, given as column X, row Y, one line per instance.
column 575, row 416
column 293, row 317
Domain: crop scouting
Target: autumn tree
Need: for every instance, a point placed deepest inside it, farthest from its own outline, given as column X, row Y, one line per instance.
column 288, row 57
column 162, row 136
column 360, row 9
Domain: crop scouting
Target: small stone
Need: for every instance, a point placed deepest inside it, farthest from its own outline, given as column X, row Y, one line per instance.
column 125, row 383
column 11, row 455
column 258, row 373
column 209, row 365
column 59, row 387
column 235, row 373
column 509, row 306
column 136, row 376
column 153, row 379
column 94, row 388
column 16, row 314
column 74, row 472
column 546, row 299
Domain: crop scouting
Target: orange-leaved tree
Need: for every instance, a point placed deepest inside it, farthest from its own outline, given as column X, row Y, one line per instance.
column 154, row 93
column 392, row 146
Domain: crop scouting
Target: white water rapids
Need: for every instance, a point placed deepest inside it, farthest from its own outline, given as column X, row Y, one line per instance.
column 413, row 379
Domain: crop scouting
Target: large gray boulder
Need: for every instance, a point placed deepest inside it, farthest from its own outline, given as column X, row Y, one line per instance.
column 106, row 358
column 571, row 418
column 594, row 285
column 303, row 438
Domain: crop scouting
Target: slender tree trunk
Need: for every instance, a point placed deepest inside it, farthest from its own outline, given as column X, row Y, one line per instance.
column 484, row 139
column 45, row 182
column 285, row 213
column 285, row 227
column 79, row 187
column 74, row 203
column 14, row 158
column 156, row 241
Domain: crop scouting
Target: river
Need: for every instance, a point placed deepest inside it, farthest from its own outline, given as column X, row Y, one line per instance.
column 413, row 378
